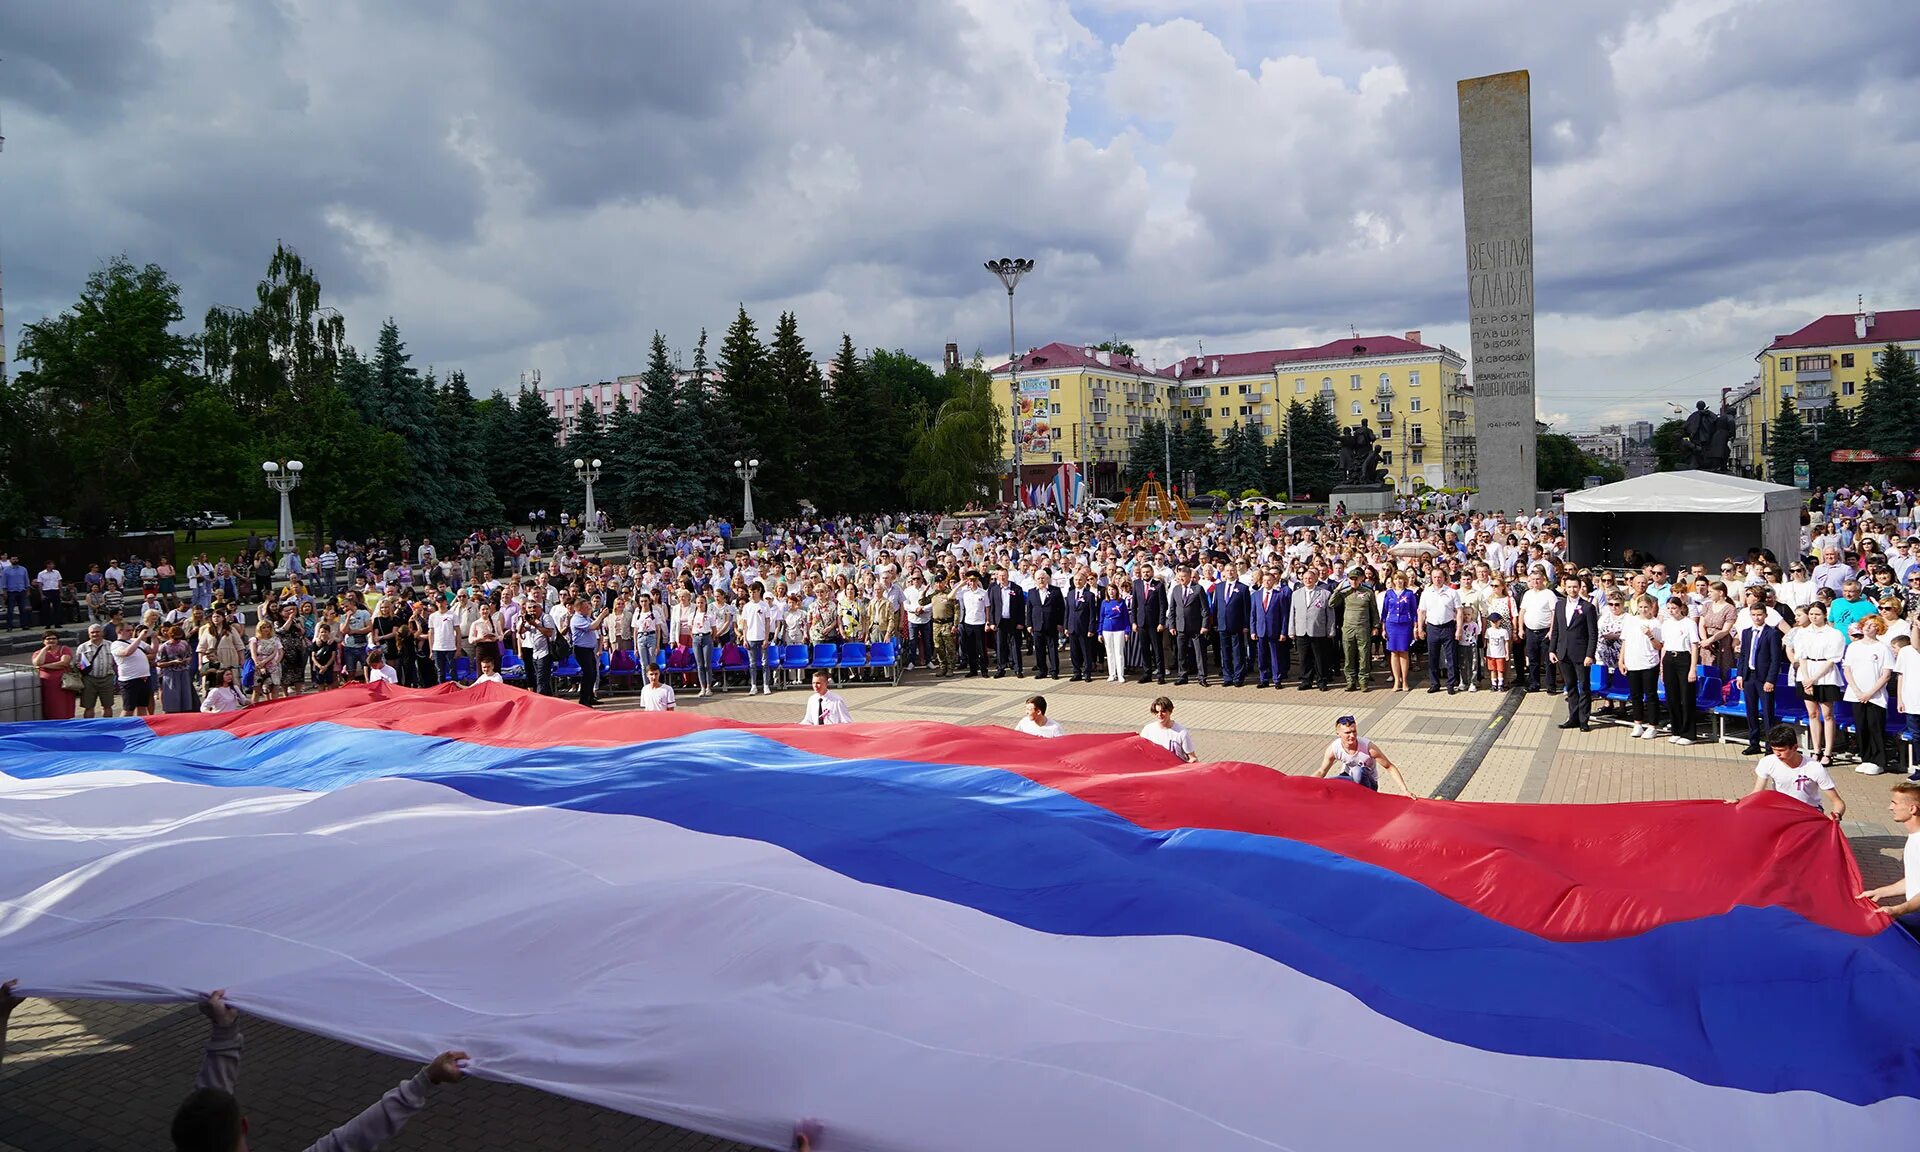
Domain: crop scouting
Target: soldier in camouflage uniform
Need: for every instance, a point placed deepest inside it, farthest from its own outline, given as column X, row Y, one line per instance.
column 946, row 625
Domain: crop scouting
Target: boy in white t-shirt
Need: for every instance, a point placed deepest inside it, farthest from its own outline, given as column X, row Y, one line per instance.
column 1904, row 805
column 1035, row 722
column 1164, row 731
column 657, row 696
column 1906, row 678
column 1785, row 770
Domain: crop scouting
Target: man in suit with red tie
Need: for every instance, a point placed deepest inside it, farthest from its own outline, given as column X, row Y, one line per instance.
column 1573, row 638
column 1083, row 626
column 1757, row 671
column 1150, row 622
column 1233, row 616
column 1270, row 606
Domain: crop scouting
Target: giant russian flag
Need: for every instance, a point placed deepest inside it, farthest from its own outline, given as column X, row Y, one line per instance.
column 949, row 938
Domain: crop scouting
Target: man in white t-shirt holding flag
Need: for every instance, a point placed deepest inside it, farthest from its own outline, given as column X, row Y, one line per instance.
column 1904, row 805
column 1786, row 771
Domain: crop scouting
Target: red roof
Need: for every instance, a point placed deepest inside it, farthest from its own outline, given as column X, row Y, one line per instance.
column 1262, row 363
column 1057, row 357
column 1829, row 331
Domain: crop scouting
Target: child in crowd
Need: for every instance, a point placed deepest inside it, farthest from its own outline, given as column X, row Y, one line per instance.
column 1497, row 641
column 1467, row 639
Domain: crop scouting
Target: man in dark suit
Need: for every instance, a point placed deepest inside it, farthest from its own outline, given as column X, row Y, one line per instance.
column 1046, row 612
column 1083, row 627
column 1269, row 624
column 1233, row 616
column 1150, row 623
column 1187, row 611
column 1760, row 658
column 1007, row 621
column 1572, row 640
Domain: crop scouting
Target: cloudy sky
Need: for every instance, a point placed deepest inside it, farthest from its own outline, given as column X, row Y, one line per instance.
column 541, row 186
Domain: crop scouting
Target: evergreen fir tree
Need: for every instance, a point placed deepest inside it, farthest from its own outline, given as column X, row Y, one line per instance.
column 741, row 394
column 1787, row 443
column 1316, row 449
column 709, row 436
column 1889, row 414
column 1839, row 429
column 623, row 447
column 1231, row 455
column 472, row 501
column 855, row 456
column 664, row 478
column 587, row 441
column 1147, row 454
column 542, row 468
column 1202, row 456
column 405, row 404
column 1251, row 462
column 790, row 442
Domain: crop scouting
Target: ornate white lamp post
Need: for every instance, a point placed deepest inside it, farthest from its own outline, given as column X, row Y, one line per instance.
column 284, row 478
column 746, row 470
column 588, row 471
column 1009, row 270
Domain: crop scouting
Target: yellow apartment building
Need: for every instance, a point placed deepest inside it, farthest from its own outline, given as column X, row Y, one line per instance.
column 1075, row 405
column 1822, row 365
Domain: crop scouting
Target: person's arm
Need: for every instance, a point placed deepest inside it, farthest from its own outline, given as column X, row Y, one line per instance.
column 1389, row 765
column 1839, row 809
column 220, row 1063
column 384, row 1119
column 8, row 1002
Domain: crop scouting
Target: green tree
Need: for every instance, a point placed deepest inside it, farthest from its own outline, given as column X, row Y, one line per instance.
column 709, row 432
column 1788, row 443
column 1201, row 455
column 1316, row 449
column 859, row 455
column 1116, row 346
column 1148, row 453
column 541, row 472
column 1558, row 462
column 1889, row 415
column 110, row 421
column 790, row 445
column 955, row 459
column 269, row 358
column 1670, row 446
column 1839, row 429
column 354, row 471
column 472, row 502
column 908, row 381
column 664, row 479
column 743, row 392
column 586, row 441
column 406, row 405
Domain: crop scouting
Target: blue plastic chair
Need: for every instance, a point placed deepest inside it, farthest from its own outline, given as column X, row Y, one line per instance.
column 463, row 670
column 729, row 658
column 853, row 657
column 885, row 654
column 511, row 666
column 568, row 669
column 826, row 657
column 246, row 675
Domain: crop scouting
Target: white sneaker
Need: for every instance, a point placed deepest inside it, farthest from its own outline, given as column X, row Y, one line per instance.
column 1869, row 768
column 1635, row 734
column 1678, row 740
column 1651, row 733
column 1475, row 687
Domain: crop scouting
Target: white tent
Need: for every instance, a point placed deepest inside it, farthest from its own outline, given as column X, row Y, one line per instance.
column 1683, row 517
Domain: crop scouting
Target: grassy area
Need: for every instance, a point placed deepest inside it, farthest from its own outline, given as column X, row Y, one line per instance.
column 216, row 542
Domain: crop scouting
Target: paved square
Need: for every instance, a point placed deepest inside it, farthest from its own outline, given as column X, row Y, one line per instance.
column 94, row 1077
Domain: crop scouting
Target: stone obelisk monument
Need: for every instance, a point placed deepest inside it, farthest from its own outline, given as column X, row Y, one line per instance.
column 1496, row 177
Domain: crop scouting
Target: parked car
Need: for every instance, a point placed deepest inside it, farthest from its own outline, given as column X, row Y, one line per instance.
column 206, row 520
column 1102, row 504
column 1205, row 503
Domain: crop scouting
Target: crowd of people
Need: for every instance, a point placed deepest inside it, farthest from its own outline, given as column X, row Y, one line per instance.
column 1245, row 602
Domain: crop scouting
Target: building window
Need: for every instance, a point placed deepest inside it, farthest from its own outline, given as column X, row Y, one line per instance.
column 1356, row 403
column 1386, row 431
column 1266, row 409
column 1385, row 383
column 1786, row 363
column 1786, row 391
column 1353, row 382
column 1226, row 411
column 1057, row 459
column 1846, row 388
column 1054, row 384
column 1879, row 358
column 1417, row 456
column 1246, row 410
column 1326, row 383
column 1299, row 384
column 1413, row 405
column 1846, row 359
column 1413, row 379
column 1223, row 389
column 1056, row 407
column 1386, row 458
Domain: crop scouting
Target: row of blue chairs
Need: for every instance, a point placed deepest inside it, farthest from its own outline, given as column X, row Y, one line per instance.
column 1718, row 696
column 839, row 661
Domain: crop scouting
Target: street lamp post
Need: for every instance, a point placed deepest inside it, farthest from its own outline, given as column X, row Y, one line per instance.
column 284, row 478
column 587, row 471
column 1010, row 269
column 746, row 470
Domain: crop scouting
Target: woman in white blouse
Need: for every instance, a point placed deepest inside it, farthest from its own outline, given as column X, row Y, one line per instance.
column 648, row 627
column 1640, row 664
column 1869, row 663
column 702, row 621
column 1817, row 650
column 1680, row 668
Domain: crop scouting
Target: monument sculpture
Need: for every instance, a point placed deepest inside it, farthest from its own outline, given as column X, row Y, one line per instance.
column 1359, row 459
column 1496, row 183
column 1709, row 438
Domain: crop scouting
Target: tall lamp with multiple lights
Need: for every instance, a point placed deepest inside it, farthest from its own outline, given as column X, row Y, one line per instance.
column 587, row 471
column 746, row 470
column 1010, row 269
column 284, row 478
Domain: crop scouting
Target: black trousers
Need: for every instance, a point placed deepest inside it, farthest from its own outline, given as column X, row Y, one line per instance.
column 1152, row 663
column 973, row 648
column 1870, row 728
column 1084, row 651
column 1538, row 667
column 1579, row 690
column 589, row 661
column 1641, row 684
column 1193, row 655
column 1319, row 659
column 1046, row 652
column 1673, row 670
column 1006, row 648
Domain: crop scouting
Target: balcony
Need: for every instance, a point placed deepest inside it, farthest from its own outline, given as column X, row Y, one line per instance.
column 1458, row 415
column 1384, row 391
column 1385, row 416
column 1098, row 417
column 1813, row 399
